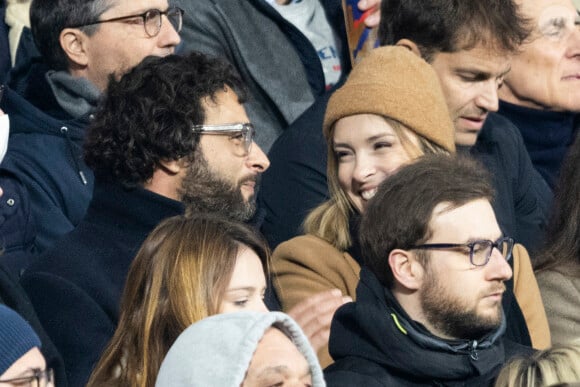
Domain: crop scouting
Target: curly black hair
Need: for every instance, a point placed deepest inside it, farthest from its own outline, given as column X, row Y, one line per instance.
column 146, row 116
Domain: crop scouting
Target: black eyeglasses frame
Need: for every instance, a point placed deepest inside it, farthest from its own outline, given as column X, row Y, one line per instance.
column 472, row 245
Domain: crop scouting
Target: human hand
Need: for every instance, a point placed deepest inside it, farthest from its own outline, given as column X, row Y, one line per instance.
column 315, row 313
column 374, row 18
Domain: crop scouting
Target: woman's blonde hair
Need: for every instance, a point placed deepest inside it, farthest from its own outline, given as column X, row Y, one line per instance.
column 330, row 220
column 178, row 277
column 559, row 364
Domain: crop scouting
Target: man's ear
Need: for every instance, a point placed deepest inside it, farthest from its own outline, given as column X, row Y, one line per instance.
column 172, row 167
column 407, row 270
column 410, row 45
column 74, row 43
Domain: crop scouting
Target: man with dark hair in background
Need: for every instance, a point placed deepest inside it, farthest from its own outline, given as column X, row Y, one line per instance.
column 470, row 45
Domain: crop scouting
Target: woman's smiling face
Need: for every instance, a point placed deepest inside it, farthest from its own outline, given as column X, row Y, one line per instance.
column 367, row 150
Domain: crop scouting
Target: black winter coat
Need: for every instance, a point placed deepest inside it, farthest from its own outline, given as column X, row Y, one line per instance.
column 375, row 343
column 76, row 286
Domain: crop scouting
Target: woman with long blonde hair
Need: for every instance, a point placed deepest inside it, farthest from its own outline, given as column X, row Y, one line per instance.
column 187, row 269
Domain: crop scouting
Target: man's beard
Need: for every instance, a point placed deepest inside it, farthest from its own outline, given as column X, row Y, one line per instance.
column 451, row 316
column 203, row 190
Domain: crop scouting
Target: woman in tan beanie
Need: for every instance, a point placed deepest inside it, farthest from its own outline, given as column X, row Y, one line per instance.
column 390, row 111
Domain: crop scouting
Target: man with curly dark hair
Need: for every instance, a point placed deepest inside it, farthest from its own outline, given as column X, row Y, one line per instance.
column 149, row 132
column 170, row 136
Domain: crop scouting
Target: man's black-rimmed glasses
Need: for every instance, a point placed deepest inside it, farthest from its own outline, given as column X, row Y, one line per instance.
column 479, row 251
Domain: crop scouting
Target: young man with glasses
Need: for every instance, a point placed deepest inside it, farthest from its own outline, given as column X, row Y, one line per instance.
column 429, row 303
column 82, row 43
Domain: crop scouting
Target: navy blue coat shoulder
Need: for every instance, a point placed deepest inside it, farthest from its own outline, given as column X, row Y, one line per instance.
column 76, row 286
column 45, row 154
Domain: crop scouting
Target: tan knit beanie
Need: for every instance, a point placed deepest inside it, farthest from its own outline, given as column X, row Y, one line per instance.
column 394, row 82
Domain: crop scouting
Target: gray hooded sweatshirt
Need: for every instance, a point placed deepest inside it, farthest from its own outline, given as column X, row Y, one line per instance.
column 217, row 351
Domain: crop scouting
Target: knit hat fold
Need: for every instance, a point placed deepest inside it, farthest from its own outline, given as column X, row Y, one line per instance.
column 394, row 82
column 16, row 338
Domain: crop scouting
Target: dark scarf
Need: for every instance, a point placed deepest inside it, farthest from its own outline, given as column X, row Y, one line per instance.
column 547, row 136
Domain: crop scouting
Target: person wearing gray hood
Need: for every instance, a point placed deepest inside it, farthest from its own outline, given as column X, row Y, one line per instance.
column 241, row 349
